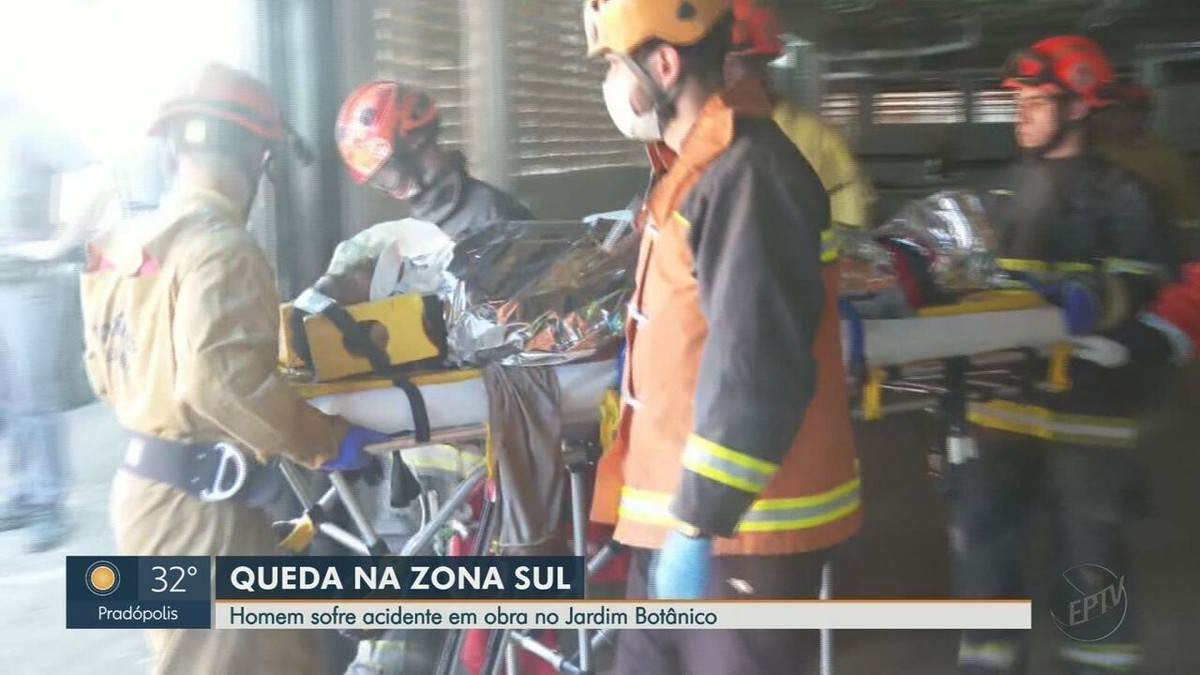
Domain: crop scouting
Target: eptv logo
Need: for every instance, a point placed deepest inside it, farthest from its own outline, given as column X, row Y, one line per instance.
column 1090, row 603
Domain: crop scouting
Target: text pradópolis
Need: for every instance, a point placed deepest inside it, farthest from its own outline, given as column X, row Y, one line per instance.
column 333, row 578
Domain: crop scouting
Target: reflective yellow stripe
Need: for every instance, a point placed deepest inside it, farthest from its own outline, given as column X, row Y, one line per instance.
column 989, row 301
column 1114, row 658
column 783, row 503
column 727, row 466
column 996, row 654
column 685, row 221
column 1022, row 265
column 442, row 458
column 765, row 515
column 1041, row 266
column 1066, row 268
column 1043, row 423
column 1127, row 266
column 830, row 246
column 610, row 418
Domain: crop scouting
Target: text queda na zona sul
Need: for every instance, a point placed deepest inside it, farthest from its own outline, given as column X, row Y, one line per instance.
column 424, row 578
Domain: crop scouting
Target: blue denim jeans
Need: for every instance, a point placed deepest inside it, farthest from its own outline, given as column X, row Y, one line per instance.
column 32, row 316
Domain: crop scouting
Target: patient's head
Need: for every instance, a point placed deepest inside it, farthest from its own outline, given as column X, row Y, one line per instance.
column 350, row 286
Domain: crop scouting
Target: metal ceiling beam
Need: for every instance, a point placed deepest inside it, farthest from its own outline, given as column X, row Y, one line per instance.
column 972, row 37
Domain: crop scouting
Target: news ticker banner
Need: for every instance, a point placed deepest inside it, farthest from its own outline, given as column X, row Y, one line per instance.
column 179, row 592
column 437, row 593
column 625, row 614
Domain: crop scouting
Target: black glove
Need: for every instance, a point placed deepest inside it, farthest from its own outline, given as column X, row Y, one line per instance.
column 1143, row 342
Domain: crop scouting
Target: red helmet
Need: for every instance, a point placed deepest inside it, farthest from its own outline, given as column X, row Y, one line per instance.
column 375, row 118
column 228, row 94
column 755, row 30
column 1063, row 64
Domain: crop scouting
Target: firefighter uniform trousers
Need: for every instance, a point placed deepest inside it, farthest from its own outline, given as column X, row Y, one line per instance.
column 1084, row 220
column 1089, row 493
column 155, row 519
column 735, row 577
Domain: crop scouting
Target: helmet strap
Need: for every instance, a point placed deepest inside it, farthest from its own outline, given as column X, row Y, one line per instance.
column 411, row 160
column 664, row 101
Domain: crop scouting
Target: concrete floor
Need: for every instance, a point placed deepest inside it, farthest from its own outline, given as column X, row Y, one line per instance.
column 33, row 639
column 901, row 553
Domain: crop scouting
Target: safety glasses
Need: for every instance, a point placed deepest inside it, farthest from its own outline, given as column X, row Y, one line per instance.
column 1028, row 68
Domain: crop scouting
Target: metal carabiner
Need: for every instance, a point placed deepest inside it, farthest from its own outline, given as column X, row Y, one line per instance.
column 229, row 455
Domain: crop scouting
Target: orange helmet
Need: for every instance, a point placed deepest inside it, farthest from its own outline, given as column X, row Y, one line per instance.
column 1063, row 64
column 375, row 118
column 755, row 30
column 621, row 26
column 225, row 93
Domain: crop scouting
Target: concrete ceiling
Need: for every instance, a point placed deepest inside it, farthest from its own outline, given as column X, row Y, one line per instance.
column 847, row 26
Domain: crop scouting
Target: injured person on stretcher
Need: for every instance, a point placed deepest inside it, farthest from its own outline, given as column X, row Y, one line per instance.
column 477, row 355
column 412, row 334
column 472, row 354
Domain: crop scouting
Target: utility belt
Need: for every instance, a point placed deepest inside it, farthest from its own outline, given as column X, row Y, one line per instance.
column 210, row 472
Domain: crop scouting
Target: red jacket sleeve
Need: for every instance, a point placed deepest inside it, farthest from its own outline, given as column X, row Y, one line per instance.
column 1179, row 303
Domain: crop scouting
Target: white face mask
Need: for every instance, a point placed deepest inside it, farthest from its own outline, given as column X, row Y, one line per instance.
column 639, row 127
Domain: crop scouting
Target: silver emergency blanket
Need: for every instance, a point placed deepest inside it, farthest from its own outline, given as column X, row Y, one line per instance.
column 952, row 228
column 539, row 293
column 864, row 265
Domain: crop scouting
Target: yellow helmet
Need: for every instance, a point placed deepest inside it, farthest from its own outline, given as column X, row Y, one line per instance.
column 622, row 26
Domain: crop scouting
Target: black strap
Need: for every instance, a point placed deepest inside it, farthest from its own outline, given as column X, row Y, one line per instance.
column 404, row 485
column 358, row 341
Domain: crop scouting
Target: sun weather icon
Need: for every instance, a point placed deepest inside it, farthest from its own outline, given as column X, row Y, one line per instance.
column 102, row 578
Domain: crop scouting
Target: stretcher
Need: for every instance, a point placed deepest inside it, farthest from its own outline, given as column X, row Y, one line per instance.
column 969, row 331
column 456, row 405
column 454, row 399
column 933, row 360
column 457, row 399
column 981, row 339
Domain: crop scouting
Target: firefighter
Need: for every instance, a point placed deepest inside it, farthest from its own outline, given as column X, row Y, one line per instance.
column 756, row 43
column 1123, row 135
column 182, row 338
column 735, row 408
column 387, row 134
column 1084, row 232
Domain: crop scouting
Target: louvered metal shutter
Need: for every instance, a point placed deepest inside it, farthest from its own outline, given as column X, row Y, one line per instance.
column 920, row 107
column 841, row 109
column 994, row 106
column 559, row 114
column 418, row 42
